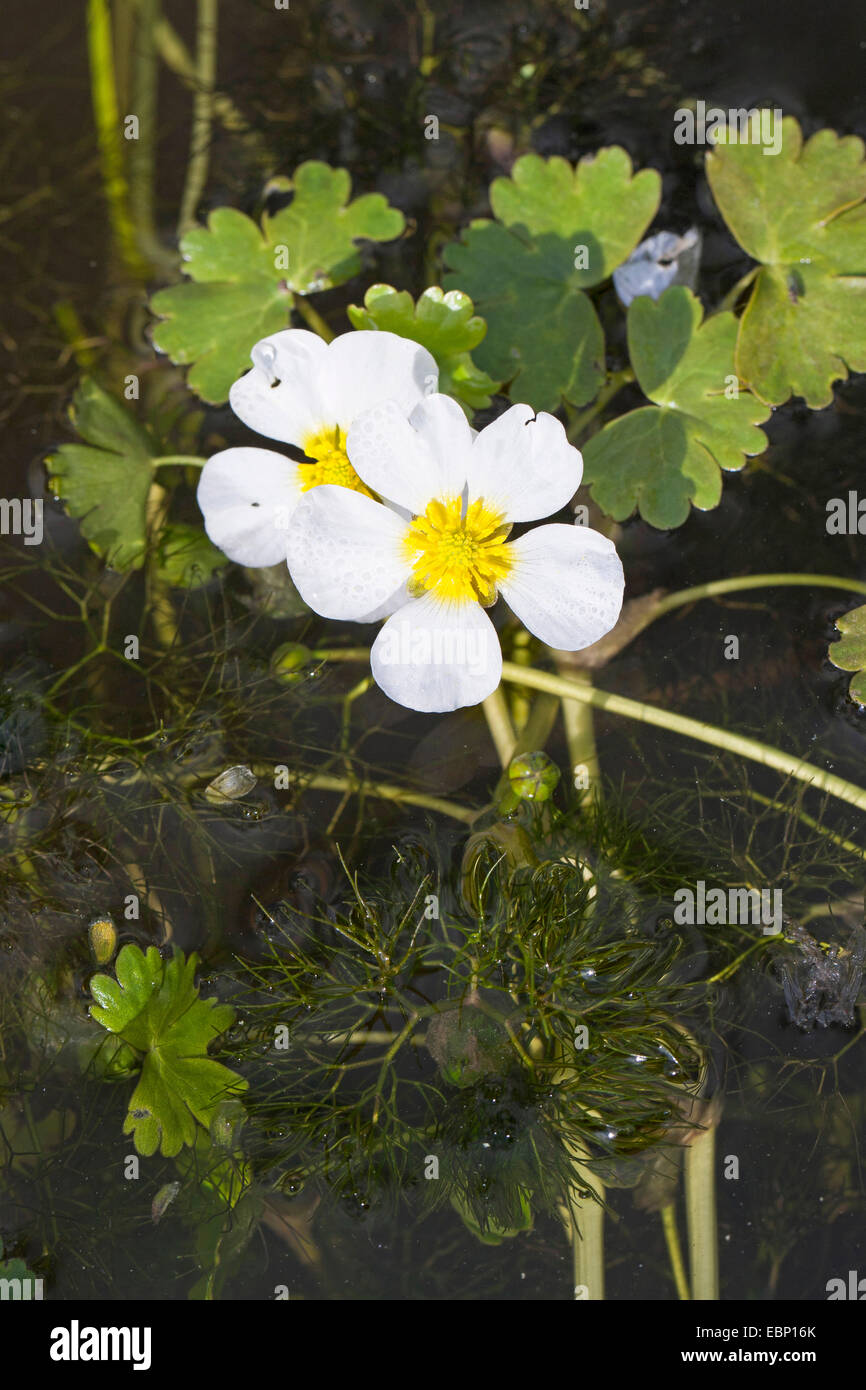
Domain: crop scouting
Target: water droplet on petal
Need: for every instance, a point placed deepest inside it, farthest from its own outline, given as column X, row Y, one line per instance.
column 264, row 356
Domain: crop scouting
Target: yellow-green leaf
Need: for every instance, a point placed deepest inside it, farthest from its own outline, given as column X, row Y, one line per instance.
column 801, row 214
column 849, row 653
column 243, row 277
column 443, row 323
column 105, row 481
column 154, row 1006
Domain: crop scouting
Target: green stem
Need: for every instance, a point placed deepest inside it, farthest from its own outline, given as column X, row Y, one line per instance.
column 142, row 162
column 104, row 97
column 500, row 726
column 357, row 1038
column 162, row 614
column 812, row 823
column 701, row 1215
column 192, row 460
column 203, row 107
column 675, row 1253
column 428, row 28
column 178, row 59
column 587, row 1233
column 755, row 581
column 519, row 702
column 124, row 32
column 341, row 653
column 762, row 753
column 733, row 966
column 385, row 791
column 354, row 694
column 578, row 423
column 81, row 347
column 580, row 737
column 70, row 671
column 312, row 317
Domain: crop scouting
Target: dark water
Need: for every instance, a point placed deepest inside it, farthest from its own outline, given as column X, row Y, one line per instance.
column 341, row 83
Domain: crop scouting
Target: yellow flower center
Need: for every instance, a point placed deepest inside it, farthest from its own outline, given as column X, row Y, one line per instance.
column 462, row 556
column 328, row 448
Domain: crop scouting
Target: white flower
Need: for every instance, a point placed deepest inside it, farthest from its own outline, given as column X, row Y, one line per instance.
column 305, row 392
column 662, row 260
column 436, row 572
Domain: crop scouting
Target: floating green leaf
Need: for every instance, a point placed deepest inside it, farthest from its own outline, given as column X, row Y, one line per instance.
column 242, row 276
column 222, row 1239
column 105, row 481
column 154, row 1006
column 236, row 296
column 559, row 231
column 187, row 559
column 226, row 1175
column 800, row 213
column 662, row 457
column 467, row 1044
column 320, row 226
column 444, row 324
column 493, row 1232
column 30, row 1285
column 849, row 653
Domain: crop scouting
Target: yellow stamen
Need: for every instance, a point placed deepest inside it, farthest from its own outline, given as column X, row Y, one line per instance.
column 328, row 448
column 461, row 557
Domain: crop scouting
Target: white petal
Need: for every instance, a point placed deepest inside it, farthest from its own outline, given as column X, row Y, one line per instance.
column 443, row 426
column 363, row 368
column 412, row 461
column 662, row 260
column 436, row 656
column 345, row 554
column 524, row 466
column 566, row 586
column 395, row 601
column 294, row 408
column 247, row 497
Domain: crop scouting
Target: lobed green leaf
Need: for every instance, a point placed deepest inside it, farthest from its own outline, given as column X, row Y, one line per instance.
column 849, row 653
column 105, row 482
column 442, row 322
column 559, row 230
column 243, row 277
column 801, row 214
column 665, row 457
column 154, row 1006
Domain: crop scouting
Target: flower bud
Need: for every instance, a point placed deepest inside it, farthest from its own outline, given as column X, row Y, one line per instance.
column 533, row 776
column 289, row 660
column 103, row 939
